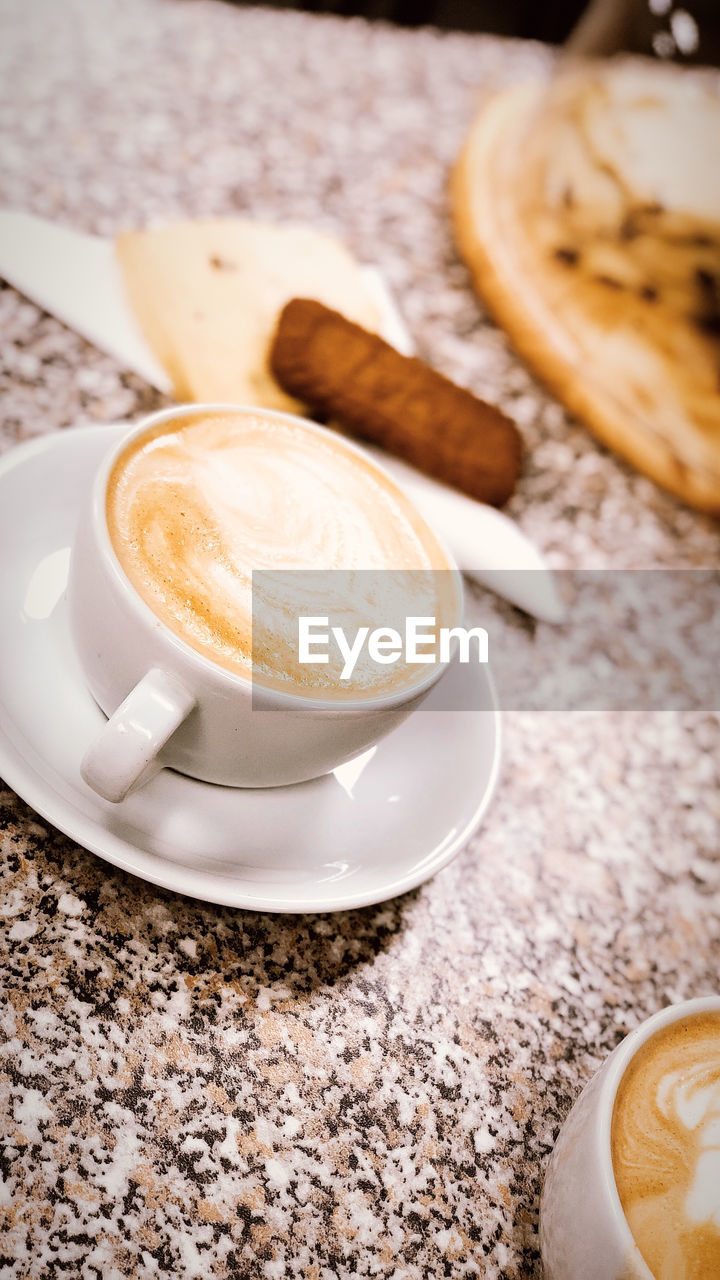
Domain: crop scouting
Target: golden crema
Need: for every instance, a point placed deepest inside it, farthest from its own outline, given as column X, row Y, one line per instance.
column 666, row 1149
column 200, row 502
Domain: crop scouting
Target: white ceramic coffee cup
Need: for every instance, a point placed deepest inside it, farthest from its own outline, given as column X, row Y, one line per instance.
column 584, row 1234
column 171, row 706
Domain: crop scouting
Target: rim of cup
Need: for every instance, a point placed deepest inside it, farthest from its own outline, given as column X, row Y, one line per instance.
column 617, row 1065
column 349, row 706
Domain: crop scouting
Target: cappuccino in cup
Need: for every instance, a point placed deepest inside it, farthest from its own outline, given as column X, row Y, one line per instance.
column 200, row 503
column 198, row 667
column 665, row 1142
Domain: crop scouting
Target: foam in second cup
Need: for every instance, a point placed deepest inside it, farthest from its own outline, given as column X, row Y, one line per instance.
column 199, row 502
column 666, row 1149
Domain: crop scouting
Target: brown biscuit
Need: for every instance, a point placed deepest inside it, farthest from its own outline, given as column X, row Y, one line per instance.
column 343, row 372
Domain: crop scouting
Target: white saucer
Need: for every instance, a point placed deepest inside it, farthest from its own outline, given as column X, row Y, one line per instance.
column 373, row 829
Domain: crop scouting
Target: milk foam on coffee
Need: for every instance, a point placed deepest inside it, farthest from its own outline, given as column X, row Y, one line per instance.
column 666, row 1149
column 196, row 505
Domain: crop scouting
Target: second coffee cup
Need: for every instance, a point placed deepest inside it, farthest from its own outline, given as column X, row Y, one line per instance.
column 183, row 511
column 632, row 1189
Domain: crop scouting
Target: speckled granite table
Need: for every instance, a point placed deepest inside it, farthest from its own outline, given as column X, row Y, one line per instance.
column 193, row 1091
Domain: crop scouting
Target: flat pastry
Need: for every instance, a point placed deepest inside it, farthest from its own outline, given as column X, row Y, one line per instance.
column 589, row 215
column 208, row 294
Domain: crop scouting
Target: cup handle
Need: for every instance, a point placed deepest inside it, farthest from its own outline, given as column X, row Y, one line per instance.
column 124, row 755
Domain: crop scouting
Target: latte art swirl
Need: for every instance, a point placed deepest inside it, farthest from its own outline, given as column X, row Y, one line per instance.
column 196, row 506
column 666, row 1149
